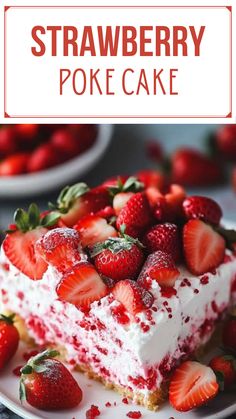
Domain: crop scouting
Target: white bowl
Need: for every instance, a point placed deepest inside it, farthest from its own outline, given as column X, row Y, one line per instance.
column 36, row 183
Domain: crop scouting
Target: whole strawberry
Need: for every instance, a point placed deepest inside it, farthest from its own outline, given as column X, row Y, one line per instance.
column 163, row 237
column 135, row 215
column 47, row 384
column 85, row 133
column 9, row 339
column 118, row 257
column 193, row 168
column 27, row 133
column 202, row 208
column 224, row 366
column 229, row 334
column 65, row 143
column 43, row 157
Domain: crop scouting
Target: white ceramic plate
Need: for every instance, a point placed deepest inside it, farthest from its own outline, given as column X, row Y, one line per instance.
column 95, row 393
column 36, row 183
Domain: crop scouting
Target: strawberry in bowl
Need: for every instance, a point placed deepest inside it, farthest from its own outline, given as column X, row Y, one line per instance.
column 39, row 158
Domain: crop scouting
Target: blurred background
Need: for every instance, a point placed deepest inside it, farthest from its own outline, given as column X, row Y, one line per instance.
column 37, row 160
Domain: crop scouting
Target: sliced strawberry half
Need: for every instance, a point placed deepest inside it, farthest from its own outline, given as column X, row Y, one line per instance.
column 93, row 229
column 82, row 286
column 19, row 248
column 133, row 297
column 160, row 267
column 191, row 386
column 123, row 191
column 60, row 247
column 204, row 248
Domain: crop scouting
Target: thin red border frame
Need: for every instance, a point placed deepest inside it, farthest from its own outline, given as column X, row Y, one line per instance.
column 229, row 115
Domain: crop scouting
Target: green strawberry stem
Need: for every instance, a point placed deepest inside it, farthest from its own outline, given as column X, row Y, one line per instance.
column 34, row 365
column 132, row 184
column 34, row 362
column 7, row 319
column 68, row 196
column 29, row 220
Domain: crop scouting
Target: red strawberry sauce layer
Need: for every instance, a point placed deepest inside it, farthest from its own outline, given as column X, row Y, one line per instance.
column 147, row 344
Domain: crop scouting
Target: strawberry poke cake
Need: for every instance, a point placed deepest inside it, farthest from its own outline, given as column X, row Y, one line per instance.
column 128, row 279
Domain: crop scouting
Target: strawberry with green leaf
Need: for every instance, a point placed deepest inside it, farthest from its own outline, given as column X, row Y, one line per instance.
column 118, row 257
column 74, row 202
column 19, row 243
column 47, row 384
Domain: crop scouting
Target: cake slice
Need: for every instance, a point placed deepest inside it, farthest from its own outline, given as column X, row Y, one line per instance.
column 126, row 292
